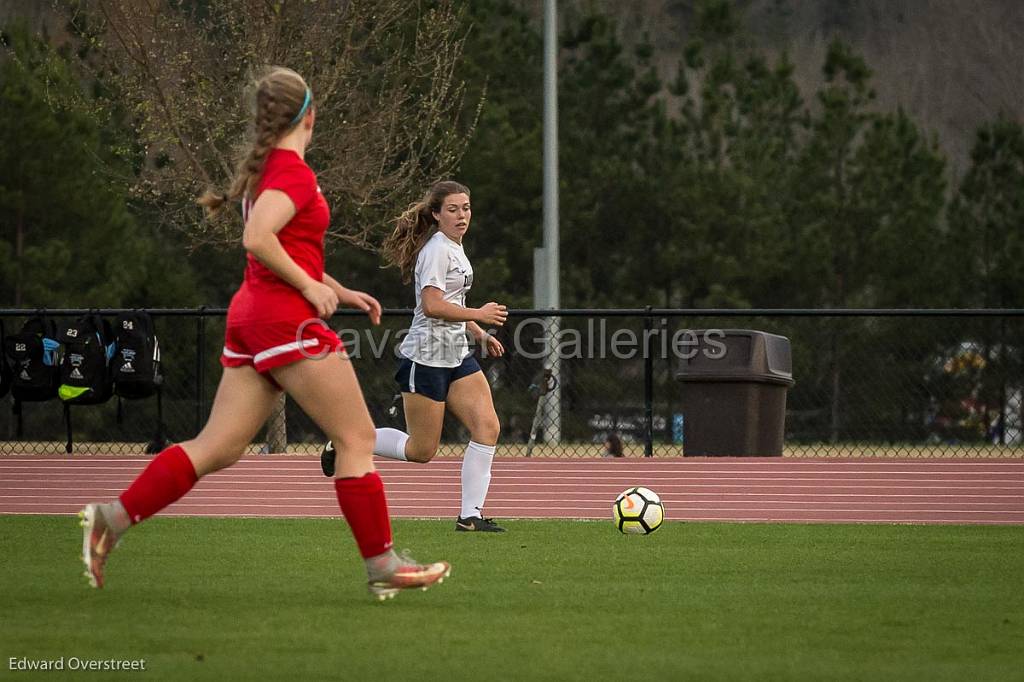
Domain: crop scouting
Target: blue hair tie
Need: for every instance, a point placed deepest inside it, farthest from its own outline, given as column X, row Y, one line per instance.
column 302, row 111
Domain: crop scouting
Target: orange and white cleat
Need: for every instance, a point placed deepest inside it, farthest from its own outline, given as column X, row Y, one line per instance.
column 409, row 575
column 98, row 540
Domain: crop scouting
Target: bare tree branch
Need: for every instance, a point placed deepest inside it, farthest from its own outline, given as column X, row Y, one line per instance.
column 383, row 73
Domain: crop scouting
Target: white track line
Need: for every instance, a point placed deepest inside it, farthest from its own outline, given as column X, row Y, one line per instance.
column 498, row 477
column 592, row 505
column 703, row 518
column 290, row 464
column 275, row 460
column 205, row 490
column 280, row 496
column 270, row 485
column 578, row 470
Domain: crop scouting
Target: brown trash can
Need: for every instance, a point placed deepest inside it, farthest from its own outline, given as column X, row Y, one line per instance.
column 734, row 384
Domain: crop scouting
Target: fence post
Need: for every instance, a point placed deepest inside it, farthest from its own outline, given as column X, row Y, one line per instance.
column 648, row 385
column 277, row 428
column 200, row 365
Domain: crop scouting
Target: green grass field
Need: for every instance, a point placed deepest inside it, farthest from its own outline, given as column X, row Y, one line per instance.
column 217, row 599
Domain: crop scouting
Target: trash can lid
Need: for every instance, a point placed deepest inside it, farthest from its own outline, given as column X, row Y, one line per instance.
column 734, row 355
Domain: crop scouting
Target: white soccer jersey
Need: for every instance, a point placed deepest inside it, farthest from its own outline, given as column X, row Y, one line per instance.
column 441, row 263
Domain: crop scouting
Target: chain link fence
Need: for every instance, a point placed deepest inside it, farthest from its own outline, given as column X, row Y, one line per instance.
column 868, row 384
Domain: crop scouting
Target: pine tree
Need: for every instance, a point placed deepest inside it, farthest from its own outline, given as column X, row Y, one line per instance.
column 986, row 241
column 987, row 218
column 607, row 109
column 68, row 238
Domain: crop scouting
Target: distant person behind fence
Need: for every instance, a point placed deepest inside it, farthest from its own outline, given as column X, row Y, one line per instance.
column 613, row 446
column 275, row 340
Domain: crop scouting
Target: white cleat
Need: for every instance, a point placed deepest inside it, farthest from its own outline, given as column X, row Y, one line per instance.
column 410, row 575
column 98, row 540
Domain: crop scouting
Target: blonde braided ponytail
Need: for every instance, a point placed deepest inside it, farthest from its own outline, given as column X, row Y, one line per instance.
column 282, row 96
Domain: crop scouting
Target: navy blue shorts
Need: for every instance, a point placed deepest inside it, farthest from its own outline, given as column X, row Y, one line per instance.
column 432, row 382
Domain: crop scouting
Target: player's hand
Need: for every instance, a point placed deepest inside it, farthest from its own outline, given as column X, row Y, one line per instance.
column 493, row 347
column 361, row 301
column 492, row 314
column 323, row 298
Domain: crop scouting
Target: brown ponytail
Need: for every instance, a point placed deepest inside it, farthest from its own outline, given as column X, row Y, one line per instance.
column 415, row 226
column 280, row 101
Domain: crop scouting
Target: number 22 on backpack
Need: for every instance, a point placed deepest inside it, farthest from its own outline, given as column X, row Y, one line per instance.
column 34, row 354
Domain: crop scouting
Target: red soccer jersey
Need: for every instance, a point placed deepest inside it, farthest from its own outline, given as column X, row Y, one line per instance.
column 263, row 296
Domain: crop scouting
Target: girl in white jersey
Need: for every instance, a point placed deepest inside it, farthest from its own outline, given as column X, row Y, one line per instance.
column 437, row 368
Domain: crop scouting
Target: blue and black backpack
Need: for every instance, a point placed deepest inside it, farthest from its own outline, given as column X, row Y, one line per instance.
column 34, row 357
column 85, row 377
column 5, row 368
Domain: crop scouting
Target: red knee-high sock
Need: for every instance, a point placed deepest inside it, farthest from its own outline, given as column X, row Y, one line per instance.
column 365, row 508
column 169, row 476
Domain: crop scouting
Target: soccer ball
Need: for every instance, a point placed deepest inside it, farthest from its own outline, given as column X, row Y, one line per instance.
column 638, row 511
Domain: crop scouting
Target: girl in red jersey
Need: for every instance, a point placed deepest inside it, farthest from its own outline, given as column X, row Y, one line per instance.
column 275, row 341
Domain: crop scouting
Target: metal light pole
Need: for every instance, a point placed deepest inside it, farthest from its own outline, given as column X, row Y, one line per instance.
column 551, row 151
column 546, row 267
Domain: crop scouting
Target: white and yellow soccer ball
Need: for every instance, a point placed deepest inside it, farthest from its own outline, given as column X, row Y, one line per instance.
column 638, row 511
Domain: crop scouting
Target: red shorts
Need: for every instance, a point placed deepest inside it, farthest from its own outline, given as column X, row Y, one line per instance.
column 266, row 345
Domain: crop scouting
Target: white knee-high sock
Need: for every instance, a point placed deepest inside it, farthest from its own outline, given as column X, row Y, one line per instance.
column 391, row 443
column 476, row 477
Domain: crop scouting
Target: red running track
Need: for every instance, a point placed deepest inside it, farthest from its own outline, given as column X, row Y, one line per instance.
column 693, row 489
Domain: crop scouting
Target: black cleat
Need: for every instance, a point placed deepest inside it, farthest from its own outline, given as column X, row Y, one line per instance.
column 327, row 457
column 477, row 523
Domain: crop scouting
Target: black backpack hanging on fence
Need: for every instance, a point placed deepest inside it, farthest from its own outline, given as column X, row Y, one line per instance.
column 85, row 377
column 136, row 365
column 34, row 356
column 5, row 368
